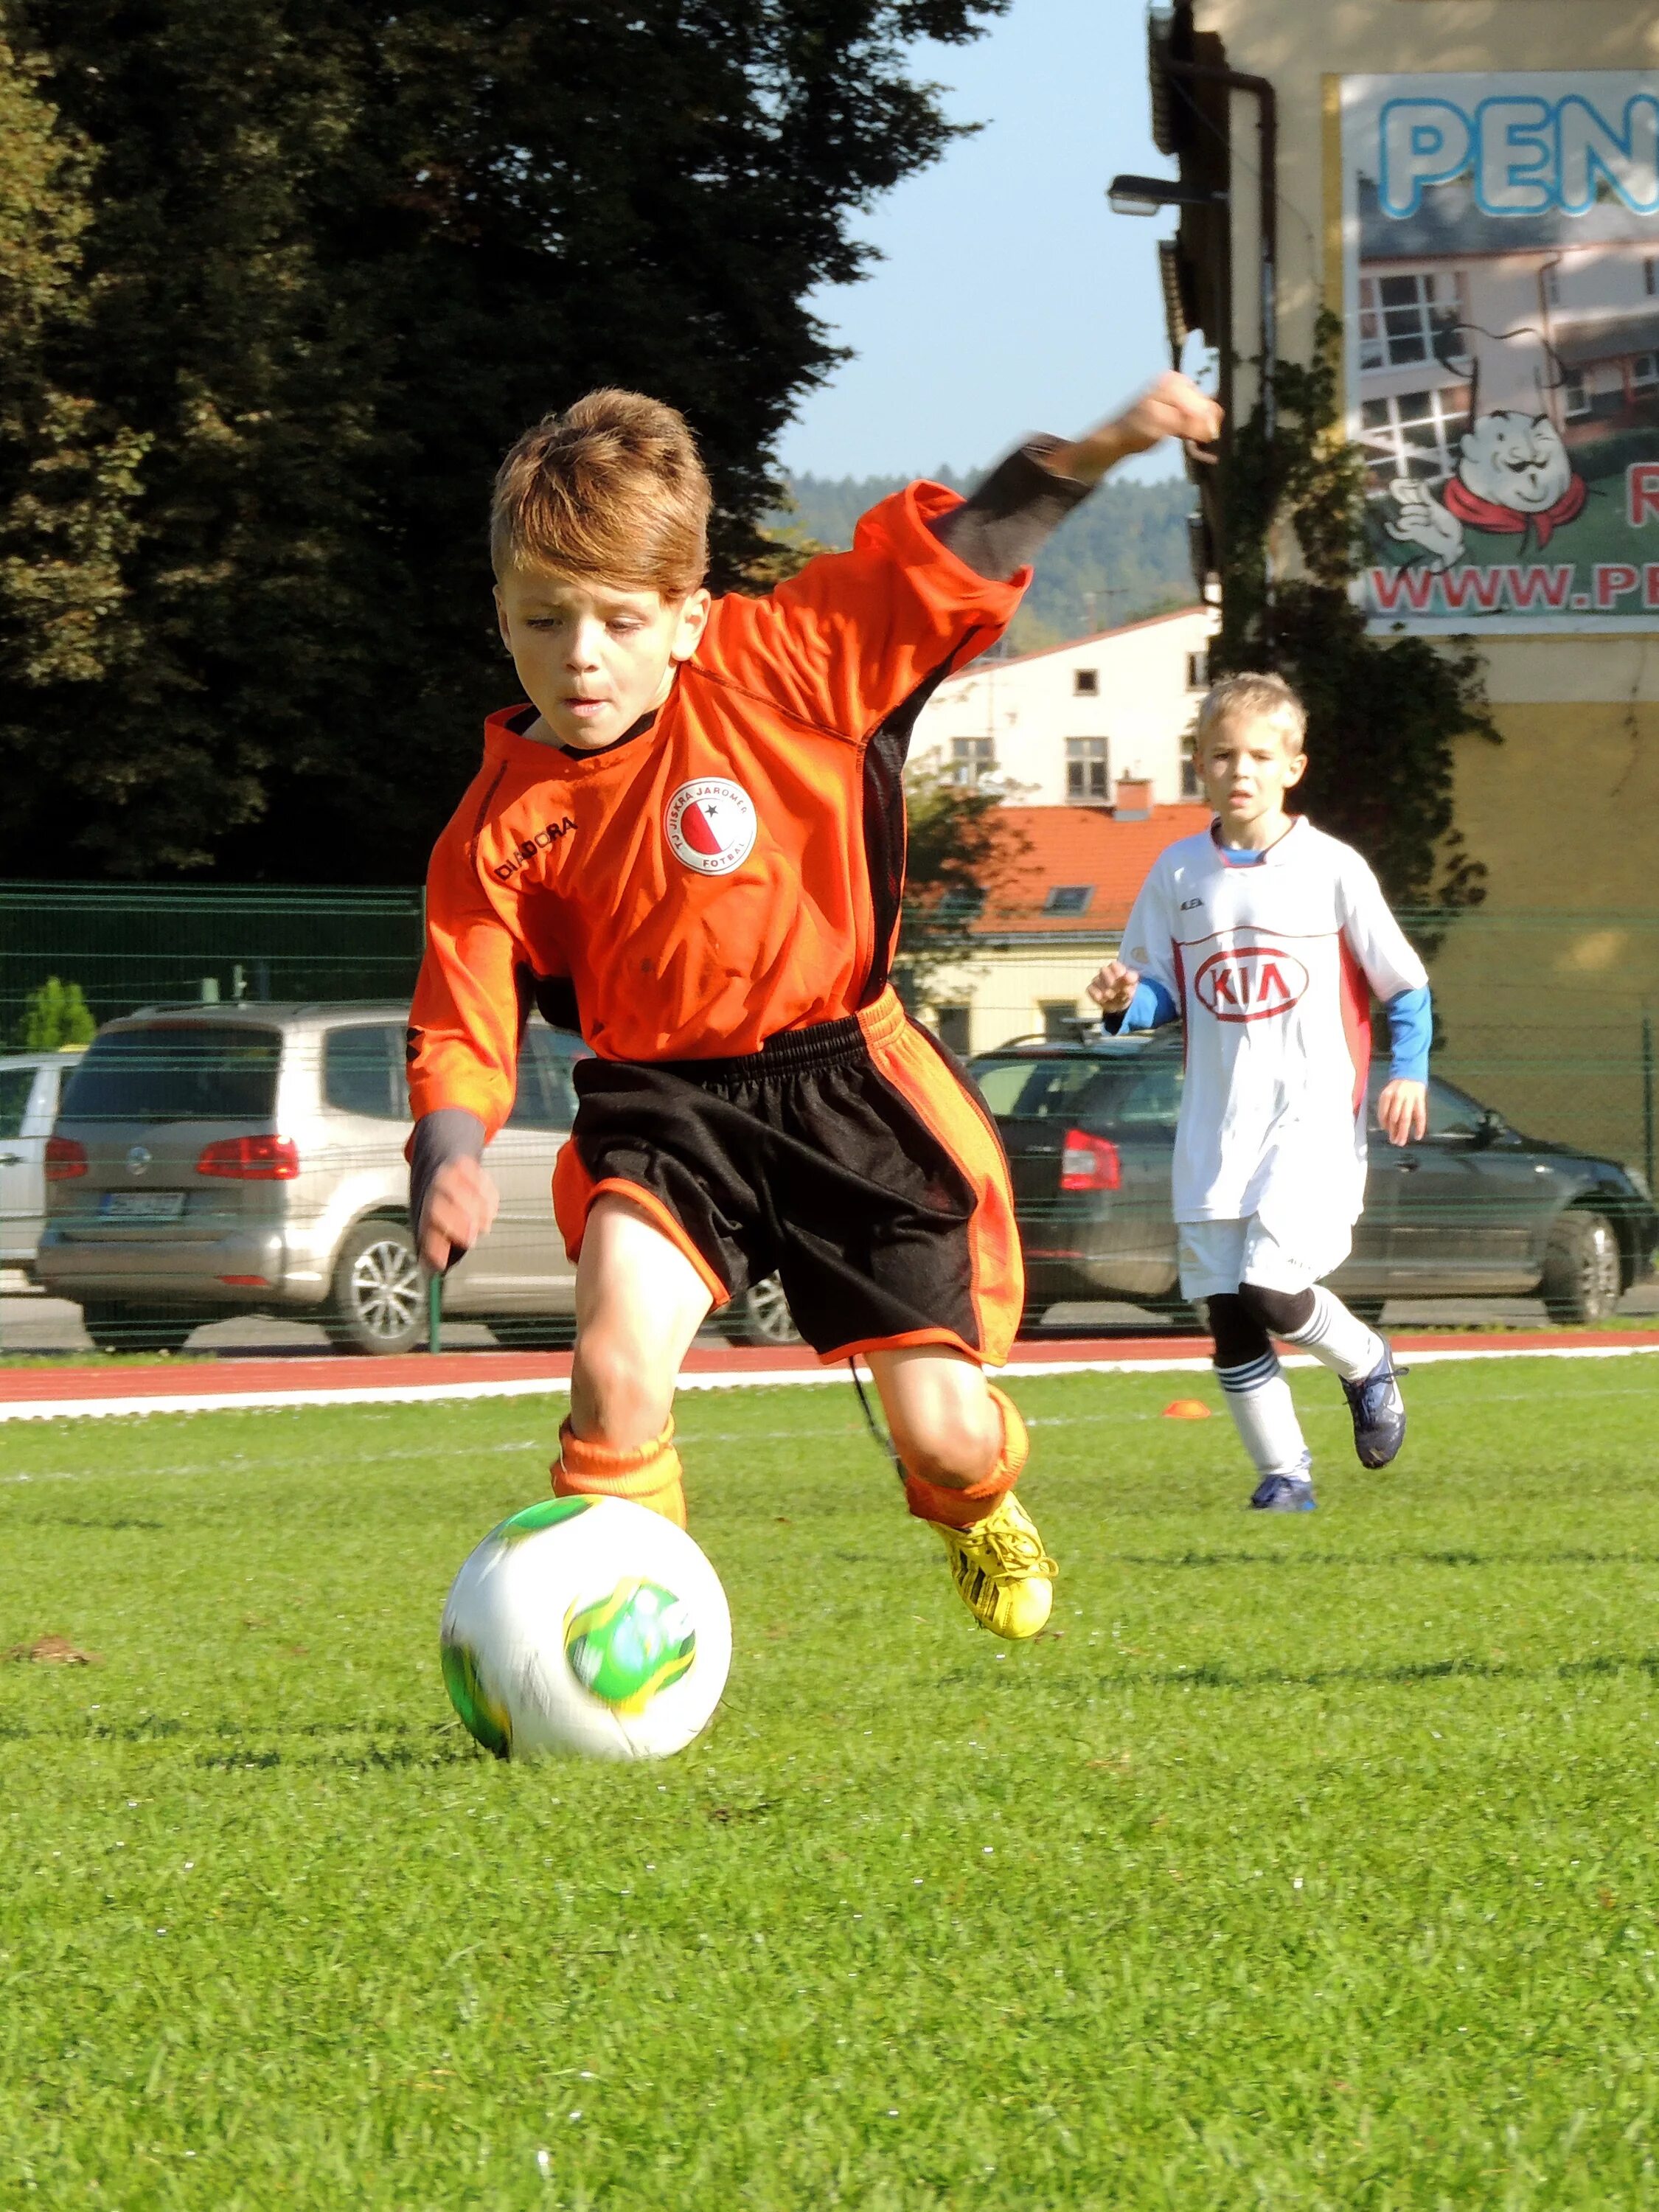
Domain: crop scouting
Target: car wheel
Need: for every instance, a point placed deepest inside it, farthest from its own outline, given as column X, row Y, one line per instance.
column 377, row 1301
column 1582, row 1278
column 137, row 1328
column 759, row 1314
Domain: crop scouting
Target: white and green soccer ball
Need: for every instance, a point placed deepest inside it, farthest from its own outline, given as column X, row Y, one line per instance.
column 586, row 1625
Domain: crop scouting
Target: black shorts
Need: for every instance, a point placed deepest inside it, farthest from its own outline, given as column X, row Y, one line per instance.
column 853, row 1159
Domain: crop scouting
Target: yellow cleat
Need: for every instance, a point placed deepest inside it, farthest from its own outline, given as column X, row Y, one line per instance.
column 1005, row 1578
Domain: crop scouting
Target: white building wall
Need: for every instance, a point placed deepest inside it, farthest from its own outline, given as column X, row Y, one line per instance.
column 1142, row 704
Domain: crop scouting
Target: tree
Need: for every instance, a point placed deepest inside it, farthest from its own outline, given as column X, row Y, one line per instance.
column 964, row 850
column 1384, row 714
column 339, row 258
column 69, row 474
column 55, row 1014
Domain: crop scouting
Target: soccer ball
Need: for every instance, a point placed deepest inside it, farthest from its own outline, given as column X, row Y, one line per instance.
column 586, row 1625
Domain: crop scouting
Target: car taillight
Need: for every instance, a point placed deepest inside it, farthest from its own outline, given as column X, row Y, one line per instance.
column 252, row 1159
column 1090, row 1162
column 64, row 1159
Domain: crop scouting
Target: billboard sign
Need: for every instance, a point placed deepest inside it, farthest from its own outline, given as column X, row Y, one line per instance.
column 1501, row 274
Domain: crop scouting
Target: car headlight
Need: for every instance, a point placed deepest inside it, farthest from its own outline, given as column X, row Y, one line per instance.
column 1641, row 1183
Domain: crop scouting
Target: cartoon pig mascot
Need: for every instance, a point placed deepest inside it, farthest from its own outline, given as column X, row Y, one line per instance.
column 1513, row 474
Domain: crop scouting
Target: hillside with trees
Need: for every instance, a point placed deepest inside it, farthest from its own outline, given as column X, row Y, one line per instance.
column 1121, row 556
column 280, row 282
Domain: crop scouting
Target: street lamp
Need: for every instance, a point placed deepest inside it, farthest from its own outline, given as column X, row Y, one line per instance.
column 1146, row 195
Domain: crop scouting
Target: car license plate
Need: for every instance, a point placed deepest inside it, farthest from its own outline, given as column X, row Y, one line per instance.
column 142, row 1205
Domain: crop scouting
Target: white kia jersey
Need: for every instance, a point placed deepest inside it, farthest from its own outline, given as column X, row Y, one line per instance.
column 1272, row 965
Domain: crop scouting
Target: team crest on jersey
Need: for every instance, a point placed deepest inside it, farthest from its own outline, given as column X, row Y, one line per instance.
column 710, row 825
column 1250, row 983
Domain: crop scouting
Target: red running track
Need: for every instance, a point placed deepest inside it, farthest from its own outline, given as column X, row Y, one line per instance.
column 234, row 1377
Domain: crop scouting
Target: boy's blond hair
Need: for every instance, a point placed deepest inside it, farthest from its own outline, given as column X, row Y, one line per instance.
column 1263, row 698
column 613, row 489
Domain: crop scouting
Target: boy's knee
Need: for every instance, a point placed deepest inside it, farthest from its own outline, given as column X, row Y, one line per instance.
column 954, row 1445
column 1239, row 1333
column 613, row 1399
column 1281, row 1312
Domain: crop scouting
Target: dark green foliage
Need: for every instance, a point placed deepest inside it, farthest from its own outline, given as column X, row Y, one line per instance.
column 964, row 848
column 1122, row 553
column 1384, row 714
column 337, row 260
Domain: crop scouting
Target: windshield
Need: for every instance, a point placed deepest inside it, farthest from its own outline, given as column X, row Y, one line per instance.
column 1116, row 1094
column 177, row 1071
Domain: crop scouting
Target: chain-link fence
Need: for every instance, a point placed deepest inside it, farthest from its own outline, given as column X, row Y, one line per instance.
column 226, row 1156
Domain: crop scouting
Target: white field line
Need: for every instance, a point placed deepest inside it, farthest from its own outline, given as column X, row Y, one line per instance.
column 417, row 1394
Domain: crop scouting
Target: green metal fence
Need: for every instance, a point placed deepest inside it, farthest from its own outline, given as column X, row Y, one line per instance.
column 130, row 945
column 1548, row 1018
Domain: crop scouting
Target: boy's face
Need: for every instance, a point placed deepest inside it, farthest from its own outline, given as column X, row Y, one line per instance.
column 1248, row 767
column 593, row 657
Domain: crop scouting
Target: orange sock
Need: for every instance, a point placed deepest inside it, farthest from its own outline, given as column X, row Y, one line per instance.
column 649, row 1476
column 963, row 1509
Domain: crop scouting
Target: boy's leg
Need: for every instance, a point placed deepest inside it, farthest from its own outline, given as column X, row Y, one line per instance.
column 638, row 1304
column 962, row 1444
column 1316, row 1320
column 1247, row 1367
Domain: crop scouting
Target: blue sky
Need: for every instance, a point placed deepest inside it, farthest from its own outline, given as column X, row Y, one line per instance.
column 1010, row 298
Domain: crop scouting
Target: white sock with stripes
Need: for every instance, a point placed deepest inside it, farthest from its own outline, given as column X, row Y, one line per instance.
column 1338, row 1339
column 1258, row 1400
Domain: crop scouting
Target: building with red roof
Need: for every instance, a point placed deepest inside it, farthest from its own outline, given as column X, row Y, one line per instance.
column 1052, row 917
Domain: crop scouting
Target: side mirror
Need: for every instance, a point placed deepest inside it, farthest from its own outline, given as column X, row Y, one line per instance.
column 1492, row 1126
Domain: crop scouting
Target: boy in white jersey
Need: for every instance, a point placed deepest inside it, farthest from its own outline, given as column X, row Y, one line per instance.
column 1268, row 939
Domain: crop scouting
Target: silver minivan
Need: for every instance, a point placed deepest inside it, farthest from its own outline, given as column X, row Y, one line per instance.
column 209, row 1160
column 30, row 1085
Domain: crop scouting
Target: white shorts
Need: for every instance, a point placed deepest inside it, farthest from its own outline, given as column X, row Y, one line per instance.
column 1217, row 1256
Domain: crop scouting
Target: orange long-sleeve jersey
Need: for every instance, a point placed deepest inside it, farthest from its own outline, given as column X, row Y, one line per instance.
column 733, row 872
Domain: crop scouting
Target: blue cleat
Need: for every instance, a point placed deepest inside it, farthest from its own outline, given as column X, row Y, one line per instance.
column 1285, row 1494
column 1379, row 1412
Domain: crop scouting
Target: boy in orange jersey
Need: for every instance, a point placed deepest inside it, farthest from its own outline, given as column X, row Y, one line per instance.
column 690, row 841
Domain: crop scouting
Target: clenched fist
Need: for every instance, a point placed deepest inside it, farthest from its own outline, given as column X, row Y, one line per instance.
column 1114, row 987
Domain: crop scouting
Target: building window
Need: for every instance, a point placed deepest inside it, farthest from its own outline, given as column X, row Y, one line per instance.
column 1406, row 319
column 1198, row 670
column 1068, row 898
column 1086, row 772
column 972, row 758
column 1415, row 433
column 960, row 903
column 1651, row 276
column 950, row 1026
column 1191, row 788
column 1644, row 371
column 1085, row 683
column 1575, row 396
column 1058, row 1019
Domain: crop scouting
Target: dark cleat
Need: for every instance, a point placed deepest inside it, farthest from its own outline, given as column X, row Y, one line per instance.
column 1285, row 1493
column 1379, row 1412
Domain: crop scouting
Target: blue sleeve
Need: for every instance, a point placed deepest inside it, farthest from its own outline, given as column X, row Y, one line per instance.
column 1150, row 1008
column 1411, row 1029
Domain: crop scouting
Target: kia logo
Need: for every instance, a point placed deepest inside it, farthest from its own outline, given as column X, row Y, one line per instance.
column 137, row 1160
column 1250, row 983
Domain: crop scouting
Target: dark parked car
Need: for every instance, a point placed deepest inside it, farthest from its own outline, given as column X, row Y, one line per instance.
column 1474, row 1210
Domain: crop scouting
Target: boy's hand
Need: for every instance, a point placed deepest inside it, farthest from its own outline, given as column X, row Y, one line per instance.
column 1174, row 407
column 459, row 1209
column 1114, row 987
column 1402, row 1110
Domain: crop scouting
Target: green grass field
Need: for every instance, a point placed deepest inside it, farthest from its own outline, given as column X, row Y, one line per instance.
column 1306, row 1863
